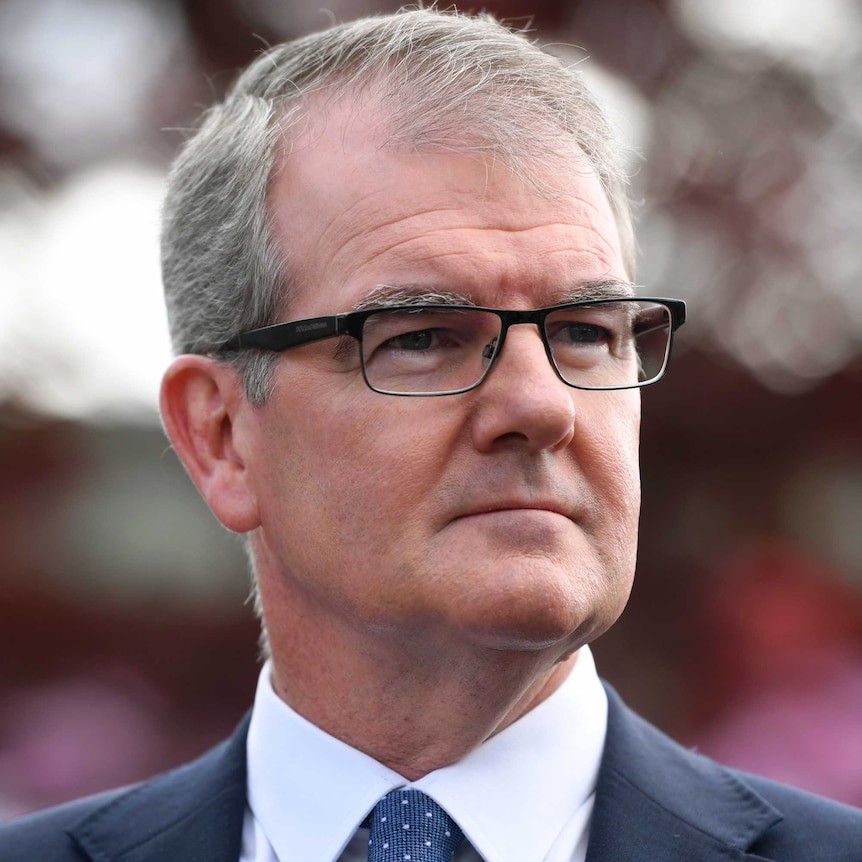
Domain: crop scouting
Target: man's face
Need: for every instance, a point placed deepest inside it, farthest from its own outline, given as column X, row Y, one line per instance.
column 505, row 516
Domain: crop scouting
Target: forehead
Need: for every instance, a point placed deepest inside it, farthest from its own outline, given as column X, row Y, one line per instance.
column 352, row 212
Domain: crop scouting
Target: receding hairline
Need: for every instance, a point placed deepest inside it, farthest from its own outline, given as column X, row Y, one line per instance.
column 295, row 118
column 364, row 117
column 221, row 268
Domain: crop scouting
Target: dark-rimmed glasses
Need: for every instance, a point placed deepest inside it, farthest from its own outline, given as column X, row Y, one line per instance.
column 447, row 349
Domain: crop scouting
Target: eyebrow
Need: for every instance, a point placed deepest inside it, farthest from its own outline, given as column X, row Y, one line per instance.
column 605, row 288
column 385, row 295
column 410, row 294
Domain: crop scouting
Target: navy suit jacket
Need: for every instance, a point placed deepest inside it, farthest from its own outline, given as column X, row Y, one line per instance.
column 655, row 802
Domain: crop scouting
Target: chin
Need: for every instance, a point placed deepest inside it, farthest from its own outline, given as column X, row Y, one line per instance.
column 540, row 613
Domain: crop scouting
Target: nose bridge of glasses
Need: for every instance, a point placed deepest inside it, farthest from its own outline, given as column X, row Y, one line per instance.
column 515, row 317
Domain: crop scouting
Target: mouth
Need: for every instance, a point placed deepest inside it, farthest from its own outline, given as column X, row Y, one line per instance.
column 551, row 507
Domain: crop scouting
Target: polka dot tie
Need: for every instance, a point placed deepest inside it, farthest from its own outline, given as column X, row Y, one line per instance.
column 408, row 826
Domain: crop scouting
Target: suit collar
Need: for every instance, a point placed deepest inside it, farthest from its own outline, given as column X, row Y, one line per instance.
column 655, row 800
column 194, row 813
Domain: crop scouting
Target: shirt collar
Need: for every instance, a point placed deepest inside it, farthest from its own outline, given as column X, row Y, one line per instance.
column 512, row 796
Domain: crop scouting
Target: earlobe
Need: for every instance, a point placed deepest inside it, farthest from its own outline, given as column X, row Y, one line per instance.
column 203, row 409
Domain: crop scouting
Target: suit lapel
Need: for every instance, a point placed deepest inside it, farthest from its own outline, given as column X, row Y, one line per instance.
column 657, row 801
column 192, row 814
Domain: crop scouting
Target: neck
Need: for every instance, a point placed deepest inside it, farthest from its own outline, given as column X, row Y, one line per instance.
column 414, row 707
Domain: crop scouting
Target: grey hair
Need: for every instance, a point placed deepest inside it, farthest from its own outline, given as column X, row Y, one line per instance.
column 444, row 79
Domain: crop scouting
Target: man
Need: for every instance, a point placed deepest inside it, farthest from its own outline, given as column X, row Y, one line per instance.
column 398, row 263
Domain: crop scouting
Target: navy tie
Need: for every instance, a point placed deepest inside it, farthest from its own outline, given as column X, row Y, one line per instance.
column 408, row 826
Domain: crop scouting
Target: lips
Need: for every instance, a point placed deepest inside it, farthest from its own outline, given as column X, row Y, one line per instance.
column 519, row 505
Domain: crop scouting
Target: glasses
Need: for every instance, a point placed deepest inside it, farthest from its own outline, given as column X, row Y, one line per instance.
column 448, row 349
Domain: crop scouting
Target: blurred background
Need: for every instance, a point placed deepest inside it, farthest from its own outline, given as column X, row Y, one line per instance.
column 126, row 644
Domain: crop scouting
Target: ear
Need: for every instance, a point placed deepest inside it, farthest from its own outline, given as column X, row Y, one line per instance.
column 204, row 410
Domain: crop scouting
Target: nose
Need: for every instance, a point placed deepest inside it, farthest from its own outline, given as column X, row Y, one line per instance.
column 522, row 400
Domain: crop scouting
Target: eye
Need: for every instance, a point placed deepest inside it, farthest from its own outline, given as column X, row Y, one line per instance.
column 420, row 339
column 576, row 333
column 417, row 330
column 581, row 333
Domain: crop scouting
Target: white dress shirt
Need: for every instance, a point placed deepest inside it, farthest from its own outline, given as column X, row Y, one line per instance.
column 524, row 795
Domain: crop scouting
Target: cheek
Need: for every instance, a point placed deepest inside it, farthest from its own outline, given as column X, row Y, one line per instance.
column 616, row 471
column 360, row 465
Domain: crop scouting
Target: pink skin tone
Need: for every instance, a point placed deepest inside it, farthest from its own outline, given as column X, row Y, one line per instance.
column 459, row 549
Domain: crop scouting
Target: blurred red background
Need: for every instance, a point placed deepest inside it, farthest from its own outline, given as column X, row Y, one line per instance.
column 127, row 645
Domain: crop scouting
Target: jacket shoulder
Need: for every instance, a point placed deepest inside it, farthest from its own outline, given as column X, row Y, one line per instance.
column 812, row 828
column 44, row 835
column 675, row 804
column 193, row 812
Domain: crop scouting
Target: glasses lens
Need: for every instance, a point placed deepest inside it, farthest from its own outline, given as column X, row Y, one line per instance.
column 427, row 350
column 610, row 345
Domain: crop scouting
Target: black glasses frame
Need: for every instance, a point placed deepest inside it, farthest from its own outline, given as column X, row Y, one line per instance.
column 279, row 337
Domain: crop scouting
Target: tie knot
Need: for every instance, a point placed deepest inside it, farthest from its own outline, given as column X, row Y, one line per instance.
column 409, row 826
